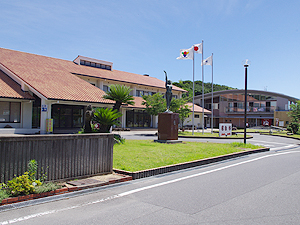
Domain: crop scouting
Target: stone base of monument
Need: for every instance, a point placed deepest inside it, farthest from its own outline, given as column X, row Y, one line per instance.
column 168, row 141
column 168, row 128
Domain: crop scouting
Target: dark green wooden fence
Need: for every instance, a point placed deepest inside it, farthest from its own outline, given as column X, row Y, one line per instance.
column 62, row 157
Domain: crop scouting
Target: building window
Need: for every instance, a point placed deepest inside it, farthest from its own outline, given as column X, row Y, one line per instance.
column 106, row 88
column 93, row 64
column 137, row 118
column 197, row 116
column 67, row 116
column 139, row 93
column 10, row 112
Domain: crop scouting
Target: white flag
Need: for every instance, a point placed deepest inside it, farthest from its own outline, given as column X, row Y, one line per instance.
column 186, row 54
column 208, row 61
column 198, row 48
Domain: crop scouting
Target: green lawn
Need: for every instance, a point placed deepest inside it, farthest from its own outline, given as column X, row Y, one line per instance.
column 136, row 155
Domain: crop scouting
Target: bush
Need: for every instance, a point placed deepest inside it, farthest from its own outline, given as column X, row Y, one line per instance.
column 3, row 192
column 27, row 183
column 118, row 139
column 3, row 195
column 22, row 185
column 47, row 187
column 294, row 127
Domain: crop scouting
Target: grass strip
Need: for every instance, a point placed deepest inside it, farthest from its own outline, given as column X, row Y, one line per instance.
column 136, row 155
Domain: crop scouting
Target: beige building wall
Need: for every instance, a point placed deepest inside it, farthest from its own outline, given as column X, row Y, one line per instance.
column 281, row 118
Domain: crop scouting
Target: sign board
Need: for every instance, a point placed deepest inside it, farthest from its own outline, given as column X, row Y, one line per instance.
column 44, row 108
column 225, row 129
column 49, row 125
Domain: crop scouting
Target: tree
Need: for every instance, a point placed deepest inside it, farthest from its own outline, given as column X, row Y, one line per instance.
column 154, row 104
column 294, row 112
column 120, row 94
column 105, row 118
column 188, row 86
column 179, row 106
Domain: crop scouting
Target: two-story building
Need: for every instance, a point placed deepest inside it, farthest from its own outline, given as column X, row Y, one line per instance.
column 35, row 88
column 263, row 107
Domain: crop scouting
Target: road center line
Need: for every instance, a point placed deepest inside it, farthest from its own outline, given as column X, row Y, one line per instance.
column 138, row 190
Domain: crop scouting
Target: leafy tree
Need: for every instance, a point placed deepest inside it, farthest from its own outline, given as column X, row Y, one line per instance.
column 294, row 127
column 188, row 86
column 294, row 112
column 179, row 106
column 105, row 118
column 154, row 104
column 120, row 94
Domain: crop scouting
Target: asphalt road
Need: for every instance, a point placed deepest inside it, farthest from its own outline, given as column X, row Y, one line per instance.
column 256, row 189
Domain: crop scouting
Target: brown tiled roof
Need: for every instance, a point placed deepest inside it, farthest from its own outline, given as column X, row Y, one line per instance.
column 137, row 103
column 50, row 77
column 198, row 108
column 10, row 89
column 55, row 79
column 122, row 76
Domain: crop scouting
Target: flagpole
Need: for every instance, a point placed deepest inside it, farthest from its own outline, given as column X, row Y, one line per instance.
column 202, row 91
column 212, row 92
column 193, row 92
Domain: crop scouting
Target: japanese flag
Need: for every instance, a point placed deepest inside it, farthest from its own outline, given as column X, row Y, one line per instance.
column 198, row 48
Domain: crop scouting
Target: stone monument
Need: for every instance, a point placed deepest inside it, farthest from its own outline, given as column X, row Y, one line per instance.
column 168, row 121
column 87, row 120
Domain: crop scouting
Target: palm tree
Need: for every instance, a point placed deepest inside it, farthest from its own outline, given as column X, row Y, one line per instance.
column 120, row 94
column 106, row 118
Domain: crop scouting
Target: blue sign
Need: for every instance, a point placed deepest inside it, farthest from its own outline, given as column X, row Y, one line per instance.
column 44, row 108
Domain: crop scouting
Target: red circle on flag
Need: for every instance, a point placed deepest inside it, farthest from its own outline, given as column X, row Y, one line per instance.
column 196, row 48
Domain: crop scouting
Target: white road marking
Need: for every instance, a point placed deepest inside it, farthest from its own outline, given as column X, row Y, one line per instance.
column 138, row 189
column 284, row 147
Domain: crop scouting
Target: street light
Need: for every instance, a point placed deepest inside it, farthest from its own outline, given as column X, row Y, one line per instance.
column 246, row 64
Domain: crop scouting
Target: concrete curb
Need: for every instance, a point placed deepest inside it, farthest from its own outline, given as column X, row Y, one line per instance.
column 181, row 166
column 280, row 136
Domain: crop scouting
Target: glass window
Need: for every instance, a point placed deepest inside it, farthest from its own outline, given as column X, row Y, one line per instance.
column 105, row 88
column 77, row 117
column 10, row 112
column 4, row 112
column 15, row 112
column 67, row 116
column 139, row 93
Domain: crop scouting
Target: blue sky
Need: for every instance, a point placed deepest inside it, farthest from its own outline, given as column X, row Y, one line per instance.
column 145, row 36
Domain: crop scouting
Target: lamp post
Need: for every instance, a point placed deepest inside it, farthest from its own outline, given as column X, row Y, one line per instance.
column 246, row 64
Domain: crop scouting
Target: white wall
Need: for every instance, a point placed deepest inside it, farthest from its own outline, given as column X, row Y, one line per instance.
column 26, row 115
